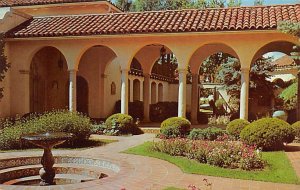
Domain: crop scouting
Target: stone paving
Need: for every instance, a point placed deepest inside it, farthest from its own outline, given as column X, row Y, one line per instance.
column 144, row 173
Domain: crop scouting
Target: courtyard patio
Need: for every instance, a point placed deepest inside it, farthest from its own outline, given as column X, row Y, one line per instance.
column 139, row 172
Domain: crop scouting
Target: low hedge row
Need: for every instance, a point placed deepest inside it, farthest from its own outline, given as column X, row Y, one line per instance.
column 55, row 121
column 266, row 133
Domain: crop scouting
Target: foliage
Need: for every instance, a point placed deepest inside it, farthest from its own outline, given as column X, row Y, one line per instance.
column 290, row 27
column 268, row 133
column 118, row 124
column 227, row 154
column 4, row 66
column 258, row 2
column 210, row 66
column 289, row 96
column 175, row 127
column 296, row 127
column 220, row 103
column 210, row 133
column 220, row 120
column 56, row 121
column 235, row 127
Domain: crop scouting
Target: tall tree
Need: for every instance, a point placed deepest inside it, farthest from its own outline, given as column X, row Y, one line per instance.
column 3, row 63
column 293, row 28
column 258, row 2
column 124, row 4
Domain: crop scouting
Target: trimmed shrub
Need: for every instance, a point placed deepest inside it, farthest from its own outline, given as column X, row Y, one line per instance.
column 210, row 133
column 235, row 127
column 56, row 121
column 175, row 127
column 268, row 133
column 119, row 124
column 296, row 127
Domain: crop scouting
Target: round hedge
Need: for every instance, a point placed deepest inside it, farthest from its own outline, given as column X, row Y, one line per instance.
column 268, row 133
column 175, row 127
column 120, row 123
column 235, row 127
column 296, row 127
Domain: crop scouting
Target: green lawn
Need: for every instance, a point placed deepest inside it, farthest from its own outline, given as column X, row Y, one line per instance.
column 279, row 168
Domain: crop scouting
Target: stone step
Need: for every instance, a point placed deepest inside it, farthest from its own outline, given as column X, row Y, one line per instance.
column 64, row 168
column 59, row 179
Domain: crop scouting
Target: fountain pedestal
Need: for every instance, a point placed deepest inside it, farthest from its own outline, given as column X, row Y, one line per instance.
column 47, row 141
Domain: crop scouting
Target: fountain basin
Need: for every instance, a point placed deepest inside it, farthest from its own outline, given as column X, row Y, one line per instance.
column 24, row 171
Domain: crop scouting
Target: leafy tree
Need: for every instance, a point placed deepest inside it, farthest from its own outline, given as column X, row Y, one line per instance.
column 126, row 5
column 292, row 28
column 229, row 74
column 258, row 2
column 4, row 66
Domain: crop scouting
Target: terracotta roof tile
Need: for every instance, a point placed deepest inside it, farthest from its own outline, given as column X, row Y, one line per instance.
column 14, row 3
column 223, row 19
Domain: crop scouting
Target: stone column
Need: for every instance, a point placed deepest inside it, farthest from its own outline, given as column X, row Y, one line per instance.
column 141, row 90
column 131, row 90
column 194, row 99
column 72, row 90
column 182, row 93
column 146, row 96
column 124, row 91
column 244, row 97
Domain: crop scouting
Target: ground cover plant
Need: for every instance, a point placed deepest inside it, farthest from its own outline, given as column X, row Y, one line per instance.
column 223, row 153
column 55, row 121
column 278, row 168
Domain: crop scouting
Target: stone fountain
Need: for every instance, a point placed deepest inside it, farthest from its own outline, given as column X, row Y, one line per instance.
column 47, row 141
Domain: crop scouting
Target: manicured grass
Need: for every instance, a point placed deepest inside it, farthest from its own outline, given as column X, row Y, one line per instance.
column 279, row 168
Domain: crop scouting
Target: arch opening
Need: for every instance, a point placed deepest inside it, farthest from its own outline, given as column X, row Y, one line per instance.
column 48, row 76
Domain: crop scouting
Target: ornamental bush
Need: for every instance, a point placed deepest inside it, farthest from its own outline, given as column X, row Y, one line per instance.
column 296, row 128
column 55, row 121
column 235, row 127
column 268, row 133
column 210, row 133
column 175, row 127
column 119, row 124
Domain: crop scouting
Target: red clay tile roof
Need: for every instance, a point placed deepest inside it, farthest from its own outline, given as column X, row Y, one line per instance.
column 223, row 19
column 283, row 61
column 13, row 3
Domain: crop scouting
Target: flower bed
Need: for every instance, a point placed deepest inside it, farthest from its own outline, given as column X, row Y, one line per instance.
column 226, row 154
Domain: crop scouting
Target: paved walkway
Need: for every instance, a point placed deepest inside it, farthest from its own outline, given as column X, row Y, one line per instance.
column 144, row 173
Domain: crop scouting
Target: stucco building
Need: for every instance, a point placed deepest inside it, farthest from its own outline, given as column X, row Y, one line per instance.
column 77, row 54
